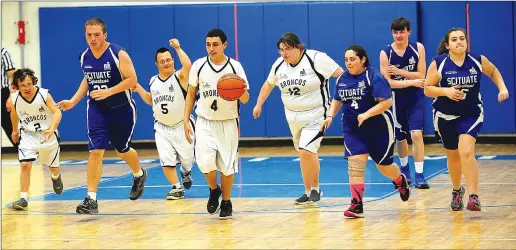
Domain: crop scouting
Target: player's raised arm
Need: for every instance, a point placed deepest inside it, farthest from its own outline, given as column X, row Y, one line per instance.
column 186, row 64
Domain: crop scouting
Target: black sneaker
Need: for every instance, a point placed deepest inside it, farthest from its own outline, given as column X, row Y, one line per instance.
column 88, row 206
column 356, row 210
column 213, row 201
column 20, row 204
column 403, row 188
column 138, row 186
column 186, row 179
column 176, row 193
column 315, row 196
column 302, row 200
column 226, row 210
column 57, row 185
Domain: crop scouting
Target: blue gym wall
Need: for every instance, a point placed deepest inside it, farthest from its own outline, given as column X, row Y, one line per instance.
column 326, row 26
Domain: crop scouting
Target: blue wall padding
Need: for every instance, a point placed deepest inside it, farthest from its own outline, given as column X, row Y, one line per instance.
column 325, row 26
column 488, row 39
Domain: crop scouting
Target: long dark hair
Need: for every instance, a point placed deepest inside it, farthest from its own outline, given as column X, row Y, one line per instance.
column 445, row 42
column 361, row 53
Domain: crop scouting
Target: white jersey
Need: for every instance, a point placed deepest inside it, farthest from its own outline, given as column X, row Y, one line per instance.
column 34, row 114
column 168, row 99
column 205, row 75
column 304, row 86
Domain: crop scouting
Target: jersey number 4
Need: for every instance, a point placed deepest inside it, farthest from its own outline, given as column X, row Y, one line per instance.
column 214, row 105
column 354, row 104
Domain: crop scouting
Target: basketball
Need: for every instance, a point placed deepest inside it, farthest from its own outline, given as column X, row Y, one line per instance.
column 231, row 87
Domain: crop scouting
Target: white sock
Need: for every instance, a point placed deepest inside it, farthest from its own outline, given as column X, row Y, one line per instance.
column 404, row 161
column 316, row 189
column 139, row 174
column 93, row 195
column 54, row 177
column 177, row 185
column 419, row 167
column 24, row 195
column 307, row 193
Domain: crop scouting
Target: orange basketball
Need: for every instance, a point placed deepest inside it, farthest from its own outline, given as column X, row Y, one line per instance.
column 231, row 87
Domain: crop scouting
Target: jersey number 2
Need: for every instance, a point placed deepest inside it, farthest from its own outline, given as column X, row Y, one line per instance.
column 354, row 104
column 37, row 126
column 214, row 105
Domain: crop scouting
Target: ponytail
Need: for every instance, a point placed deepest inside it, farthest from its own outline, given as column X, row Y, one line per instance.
column 442, row 48
column 442, row 45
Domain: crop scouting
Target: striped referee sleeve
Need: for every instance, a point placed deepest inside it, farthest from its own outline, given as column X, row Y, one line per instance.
column 7, row 64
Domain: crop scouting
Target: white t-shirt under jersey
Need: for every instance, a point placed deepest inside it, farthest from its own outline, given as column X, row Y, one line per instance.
column 34, row 114
column 301, row 88
column 168, row 99
column 205, row 74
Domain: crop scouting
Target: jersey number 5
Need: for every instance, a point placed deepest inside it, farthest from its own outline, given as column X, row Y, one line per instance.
column 164, row 108
column 465, row 91
column 354, row 104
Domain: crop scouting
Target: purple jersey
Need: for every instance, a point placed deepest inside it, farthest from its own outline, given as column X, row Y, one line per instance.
column 467, row 77
column 409, row 62
column 358, row 93
column 104, row 73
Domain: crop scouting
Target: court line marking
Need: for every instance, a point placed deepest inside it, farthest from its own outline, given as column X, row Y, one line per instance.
column 259, row 159
column 300, row 210
column 267, row 238
column 111, row 178
column 438, row 172
column 281, row 210
column 486, row 157
column 15, row 163
column 285, row 210
column 41, row 197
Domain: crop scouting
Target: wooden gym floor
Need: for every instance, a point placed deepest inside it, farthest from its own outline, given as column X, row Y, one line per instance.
column 264, row 213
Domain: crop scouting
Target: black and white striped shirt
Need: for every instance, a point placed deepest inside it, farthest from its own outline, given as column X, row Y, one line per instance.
column 7, row 64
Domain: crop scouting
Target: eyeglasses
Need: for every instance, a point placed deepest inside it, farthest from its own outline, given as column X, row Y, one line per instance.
column 286, row 50
column 168, row 60
column 24, row 86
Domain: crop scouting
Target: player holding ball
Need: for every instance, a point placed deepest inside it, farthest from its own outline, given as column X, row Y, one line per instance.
column 217, row 129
